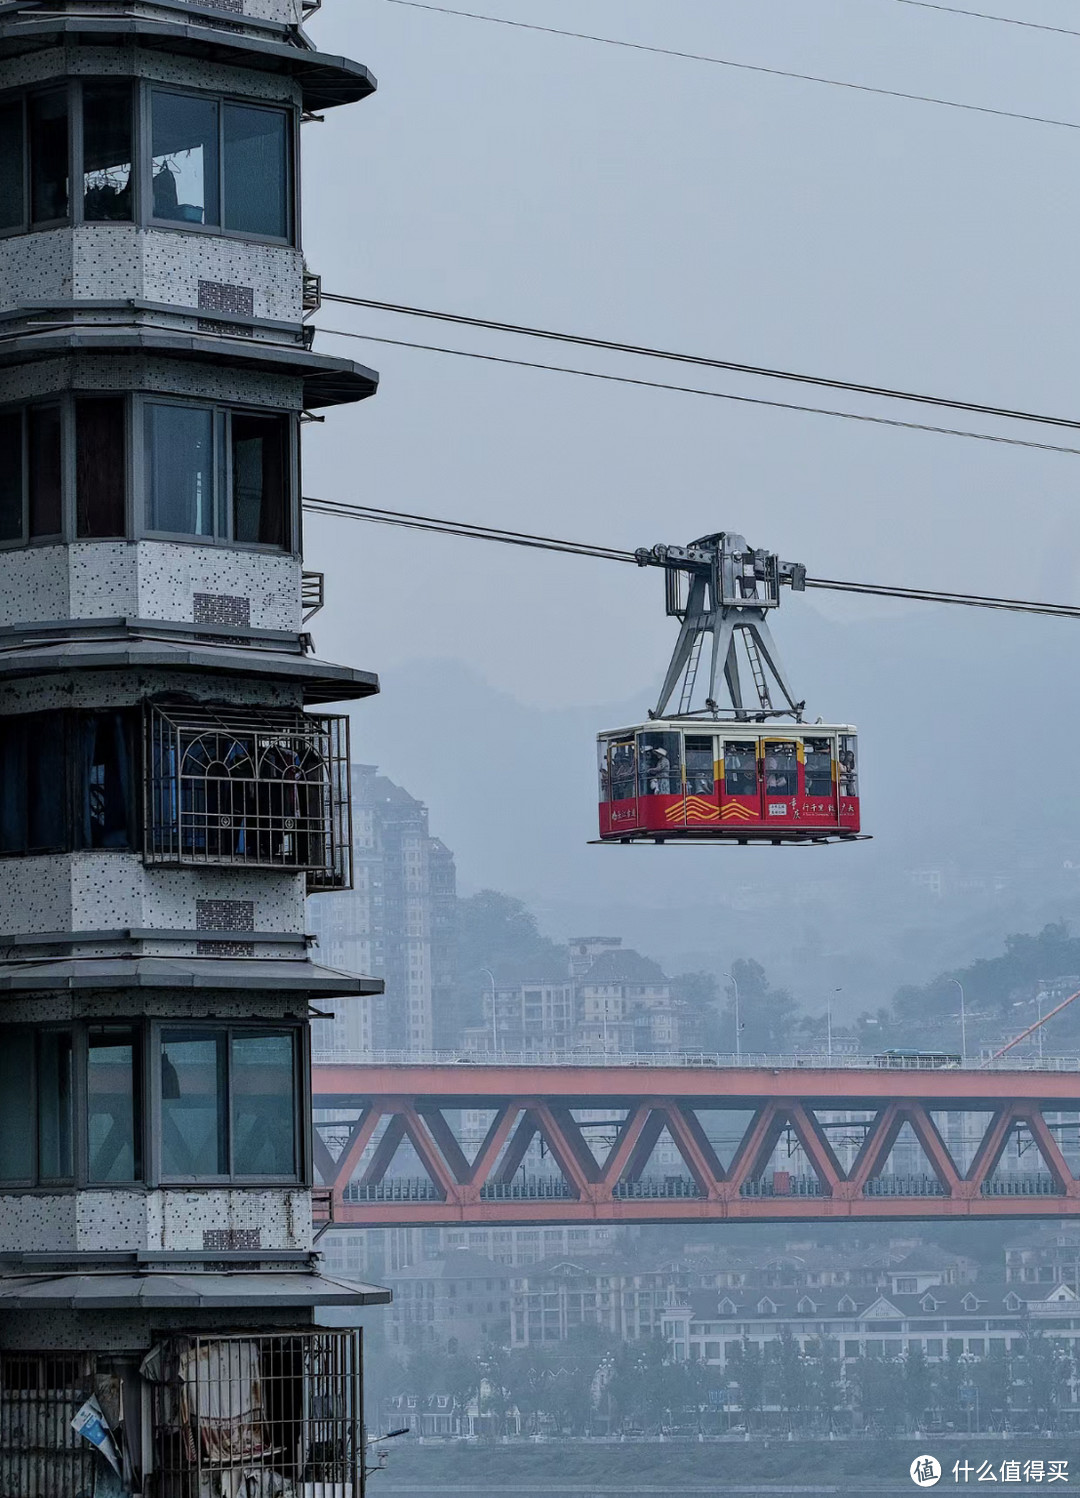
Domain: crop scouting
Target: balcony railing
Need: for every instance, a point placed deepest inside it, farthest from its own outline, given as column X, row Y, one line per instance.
column 253, row 788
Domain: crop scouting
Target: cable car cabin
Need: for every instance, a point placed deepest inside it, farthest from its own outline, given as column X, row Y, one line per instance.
column 733, row 782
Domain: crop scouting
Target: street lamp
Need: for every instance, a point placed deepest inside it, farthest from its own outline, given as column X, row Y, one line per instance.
column 828, row 1023
column 963, row 1020
column 494, row 1015
column 738, row 1027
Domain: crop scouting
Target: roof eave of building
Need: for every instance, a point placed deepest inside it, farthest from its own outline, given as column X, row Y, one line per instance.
column 108, row 974
column 327, row 81
column 328, row 380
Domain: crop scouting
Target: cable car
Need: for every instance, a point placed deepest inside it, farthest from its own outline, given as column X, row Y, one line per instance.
column 736, row 773
column 742, row 782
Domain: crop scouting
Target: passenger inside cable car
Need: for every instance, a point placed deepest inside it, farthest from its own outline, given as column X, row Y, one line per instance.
column 734, row 783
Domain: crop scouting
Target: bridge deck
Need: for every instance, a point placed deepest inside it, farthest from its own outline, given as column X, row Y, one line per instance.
column 809, row 1143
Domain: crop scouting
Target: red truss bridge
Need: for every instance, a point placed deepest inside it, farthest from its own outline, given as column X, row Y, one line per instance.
column 429, row 1144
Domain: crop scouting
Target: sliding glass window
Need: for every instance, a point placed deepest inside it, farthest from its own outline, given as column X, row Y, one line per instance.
column 108, row 151
column 220, row 474
column 221, row 164
column 38, row 502
column 230, row 1104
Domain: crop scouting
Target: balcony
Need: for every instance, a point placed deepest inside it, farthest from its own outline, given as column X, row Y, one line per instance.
column 249, row 788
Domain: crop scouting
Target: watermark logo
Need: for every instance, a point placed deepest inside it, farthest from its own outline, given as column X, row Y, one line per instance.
column 925, row 1471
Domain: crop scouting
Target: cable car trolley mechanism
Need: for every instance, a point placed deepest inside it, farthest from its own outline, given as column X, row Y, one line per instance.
column 733, row 771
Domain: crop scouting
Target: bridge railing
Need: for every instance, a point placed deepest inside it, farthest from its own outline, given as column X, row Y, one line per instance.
column 712, row 1059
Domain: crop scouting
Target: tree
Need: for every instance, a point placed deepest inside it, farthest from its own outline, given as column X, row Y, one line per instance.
column 918, row 1385
column 825, row 1372
column 1043, row 1367
column 879, row 1391
column 747, row 1367
column 700, row 994
column 768, row 1016
column 497, row 932
column 792, row 1378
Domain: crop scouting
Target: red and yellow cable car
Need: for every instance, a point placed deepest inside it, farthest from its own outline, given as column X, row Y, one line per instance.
column 733, row 773
column 742, row 782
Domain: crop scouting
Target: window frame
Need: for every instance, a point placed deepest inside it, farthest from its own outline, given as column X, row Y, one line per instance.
column 68, row 401
column 135, row 472
column 300, row 1031
column 221, row 467
column 66, row 725
column 147, row 1107
column 73, row 89
column 222, row 98
column 142, row 200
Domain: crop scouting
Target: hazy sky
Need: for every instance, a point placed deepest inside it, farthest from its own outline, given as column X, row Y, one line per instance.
column 572, row 185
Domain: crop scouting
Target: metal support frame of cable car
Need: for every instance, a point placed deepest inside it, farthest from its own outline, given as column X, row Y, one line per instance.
column 731, row 588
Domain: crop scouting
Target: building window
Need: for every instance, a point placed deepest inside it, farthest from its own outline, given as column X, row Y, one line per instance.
column 113, row 1133
column 180, row 479
column 230, row 1104
column 33, row 493
column 100, row 453
column 47, row 117
column 218, row 474
column 220, row 164
column 66, row 783
column 41, row 155
column 108, row 152
column 40, row 1395
column 36, row 1108
column 256, row 788
column 44, row 471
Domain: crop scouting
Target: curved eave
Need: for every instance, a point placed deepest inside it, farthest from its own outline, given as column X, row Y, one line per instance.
column 321, row 682
column 157, row 1290
column 110, row 974
column 328, row 381
column 325, row 80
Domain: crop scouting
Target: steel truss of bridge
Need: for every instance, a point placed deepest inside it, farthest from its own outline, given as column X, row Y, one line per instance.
column 599, row 1126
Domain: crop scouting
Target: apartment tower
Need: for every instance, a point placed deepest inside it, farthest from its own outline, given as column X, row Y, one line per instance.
column 170, row 785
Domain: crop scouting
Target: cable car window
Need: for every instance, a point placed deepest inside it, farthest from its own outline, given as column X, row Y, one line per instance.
column 740, row 768
column 602, row 751
column 623, row 762
column 660, row 767
column 781, row 768
column 699, row 765
column 849, row 777
column 819, row 767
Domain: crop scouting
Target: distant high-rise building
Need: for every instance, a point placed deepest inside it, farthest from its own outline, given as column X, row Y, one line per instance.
column 398, row 923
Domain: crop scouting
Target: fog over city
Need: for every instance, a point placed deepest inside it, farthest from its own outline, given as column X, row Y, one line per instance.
column 686, row 192
column 578, row 186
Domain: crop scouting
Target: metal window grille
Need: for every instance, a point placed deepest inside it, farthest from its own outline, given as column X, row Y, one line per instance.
column 255, row 788
column 273, row 1417
column 40, row 1454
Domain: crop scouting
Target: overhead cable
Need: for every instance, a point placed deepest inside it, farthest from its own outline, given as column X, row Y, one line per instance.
column 983, row 15
column 468, row 530
column 746, row 67
column 747, row 400
column 700, row 361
